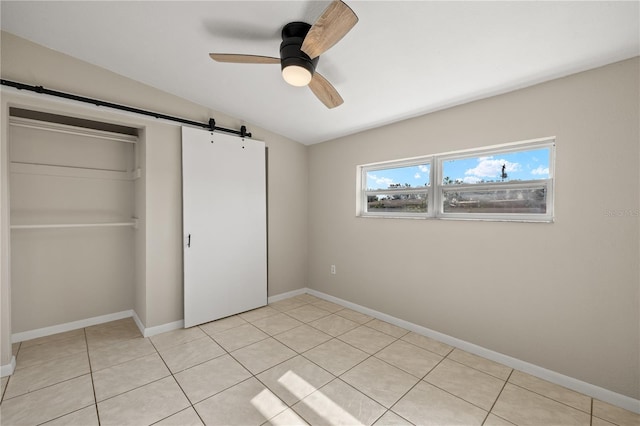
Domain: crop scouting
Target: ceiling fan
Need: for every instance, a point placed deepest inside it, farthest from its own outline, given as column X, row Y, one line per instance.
column 301, row 47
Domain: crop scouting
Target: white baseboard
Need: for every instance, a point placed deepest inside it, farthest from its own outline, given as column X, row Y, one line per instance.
column 282, row 296
column 7, row 370
column 88, row 322
column 74, row 325
column 138, row 322
column 152, row 331
column 146, row 331
column 588, row 389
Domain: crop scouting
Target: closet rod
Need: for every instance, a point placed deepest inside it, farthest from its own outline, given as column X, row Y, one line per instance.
column 74, row 225
column 211, row 125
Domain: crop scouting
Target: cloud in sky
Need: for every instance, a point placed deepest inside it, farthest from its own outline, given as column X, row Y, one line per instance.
column 540, row 171
column 416, row 176
column 380, row 181
column 488, row 167
column 424, row 168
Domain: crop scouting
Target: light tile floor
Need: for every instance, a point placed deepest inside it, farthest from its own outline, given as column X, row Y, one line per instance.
column 301, row 360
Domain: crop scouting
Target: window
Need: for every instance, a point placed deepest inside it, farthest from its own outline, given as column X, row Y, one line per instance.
column 507, row 182
column 399, row 190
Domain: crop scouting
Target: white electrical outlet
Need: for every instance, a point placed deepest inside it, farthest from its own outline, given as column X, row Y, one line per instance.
column 333, row 269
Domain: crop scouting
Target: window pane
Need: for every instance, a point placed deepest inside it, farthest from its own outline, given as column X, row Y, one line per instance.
column 506, row 167
column 397, row 203
column 521, row 201
column 416, row 176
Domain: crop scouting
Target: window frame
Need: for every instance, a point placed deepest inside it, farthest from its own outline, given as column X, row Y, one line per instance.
column 436, row 190
column 395, row 164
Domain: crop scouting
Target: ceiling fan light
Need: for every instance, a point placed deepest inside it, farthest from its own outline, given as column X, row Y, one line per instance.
column 296, row 75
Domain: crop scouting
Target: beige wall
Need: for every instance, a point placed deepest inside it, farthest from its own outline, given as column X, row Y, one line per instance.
column 158, row 290
column 563, row 296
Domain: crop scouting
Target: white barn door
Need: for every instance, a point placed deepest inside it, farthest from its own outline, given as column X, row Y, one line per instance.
column 224, row 210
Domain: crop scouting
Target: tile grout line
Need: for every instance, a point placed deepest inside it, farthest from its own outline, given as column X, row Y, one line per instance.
column 242, row 365
column 369, row 356
column 551, row 399
column 316, row 390
column 168, row 369
column 65, row 380
column 177, row 383
column 335, row 377
column 133, row 389
column 348, row 343
column 411, row 388
column 328, row 316
column 226, row 352
column 459, row 397
column 123, row 362
column 404, row 394
column 384, row 332
column 498, row 397
column 367, row 396
column 446, row 356
column 505, row 381
column 389, row 410
column 253, row 376
column 423, row 378
column 402, row 369
column 47, row 387
column 478, row 369
column 428, row 350
column 134, row 359
column 93, row 386
column 301, row 325
column 280, row 399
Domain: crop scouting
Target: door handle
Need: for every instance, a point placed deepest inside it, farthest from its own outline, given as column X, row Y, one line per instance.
column 189, row 241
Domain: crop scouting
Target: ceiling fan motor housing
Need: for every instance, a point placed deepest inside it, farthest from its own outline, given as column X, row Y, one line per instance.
column 293, row 35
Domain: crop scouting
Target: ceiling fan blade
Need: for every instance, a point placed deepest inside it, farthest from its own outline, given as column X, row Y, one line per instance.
column 243, row 59
column 334, row 23
column 324, row 91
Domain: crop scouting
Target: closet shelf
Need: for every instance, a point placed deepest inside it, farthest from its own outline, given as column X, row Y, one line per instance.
column 133, row 224
column 72, row 171
column 71, row 130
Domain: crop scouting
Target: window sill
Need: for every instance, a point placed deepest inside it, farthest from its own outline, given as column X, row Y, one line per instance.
column 467, row 219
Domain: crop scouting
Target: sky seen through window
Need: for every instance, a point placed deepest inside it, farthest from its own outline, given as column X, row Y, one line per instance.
column 518, row 166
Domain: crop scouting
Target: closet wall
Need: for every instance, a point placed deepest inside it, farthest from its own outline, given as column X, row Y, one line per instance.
column 72, row 199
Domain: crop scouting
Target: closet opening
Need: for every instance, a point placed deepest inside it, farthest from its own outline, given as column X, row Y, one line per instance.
column 73, row 219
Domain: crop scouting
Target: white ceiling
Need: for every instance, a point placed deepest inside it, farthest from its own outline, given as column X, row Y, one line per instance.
column 402, row 59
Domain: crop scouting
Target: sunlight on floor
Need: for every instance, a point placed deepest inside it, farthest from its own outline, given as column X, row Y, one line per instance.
column 295, row 384
column 322, row 405
column 267, row 403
